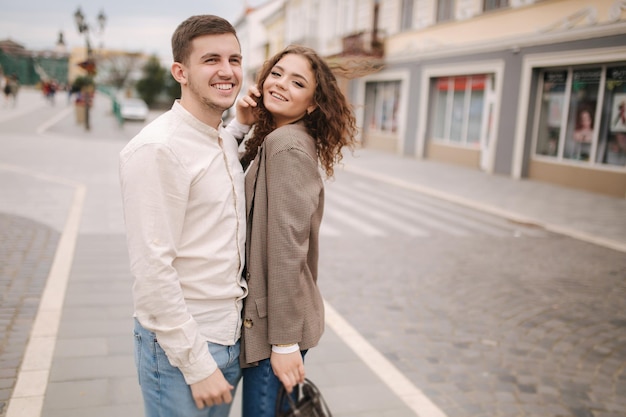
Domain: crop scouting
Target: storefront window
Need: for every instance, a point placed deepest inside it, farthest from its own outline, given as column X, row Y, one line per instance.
column 441, row 98
column 612, row 143
column 582, row 110
column 458, row 109
column 382, row 99
column 551, row 113
column 581, row 115
column 476, row 109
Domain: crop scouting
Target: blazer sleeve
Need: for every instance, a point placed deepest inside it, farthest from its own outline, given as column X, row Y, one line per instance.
column 293, row 190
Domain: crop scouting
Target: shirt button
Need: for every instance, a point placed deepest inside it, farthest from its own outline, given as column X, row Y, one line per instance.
column 247, row 275
column 247, row 323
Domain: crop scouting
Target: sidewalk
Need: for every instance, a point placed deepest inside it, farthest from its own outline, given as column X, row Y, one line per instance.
column 79, row 359
column 575, row 213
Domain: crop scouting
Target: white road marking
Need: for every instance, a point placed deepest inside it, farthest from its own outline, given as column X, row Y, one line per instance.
column 32, row 380
column 415, row 399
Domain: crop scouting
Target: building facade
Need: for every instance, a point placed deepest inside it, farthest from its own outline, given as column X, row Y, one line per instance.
column 32, row 67
column 522, row 88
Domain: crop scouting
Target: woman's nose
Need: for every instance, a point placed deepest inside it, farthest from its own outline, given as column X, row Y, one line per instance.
column 280, row 84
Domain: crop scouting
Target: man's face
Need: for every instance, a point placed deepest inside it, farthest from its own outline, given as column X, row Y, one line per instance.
column 214, row 71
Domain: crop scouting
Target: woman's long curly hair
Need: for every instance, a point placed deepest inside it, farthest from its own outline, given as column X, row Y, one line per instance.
column 331, row 124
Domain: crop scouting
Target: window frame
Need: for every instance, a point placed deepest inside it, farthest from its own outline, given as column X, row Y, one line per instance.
column 560, row 157
column 450, row 102
column 494, row 68
column 530, row 65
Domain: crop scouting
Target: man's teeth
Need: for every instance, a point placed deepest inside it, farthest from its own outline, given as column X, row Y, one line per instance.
column 223, row 86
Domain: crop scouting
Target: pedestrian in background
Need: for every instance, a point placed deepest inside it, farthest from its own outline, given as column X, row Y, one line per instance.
column 183, row 198
column 11, row 89
column 300, row 121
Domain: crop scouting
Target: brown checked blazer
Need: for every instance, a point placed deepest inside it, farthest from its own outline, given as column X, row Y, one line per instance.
column 285, row 202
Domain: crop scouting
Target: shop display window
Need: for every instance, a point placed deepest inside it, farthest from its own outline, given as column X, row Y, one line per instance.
column 582, row 114
column 459, row 105
column 612, row 143
column 551, row 114
column 382, row 100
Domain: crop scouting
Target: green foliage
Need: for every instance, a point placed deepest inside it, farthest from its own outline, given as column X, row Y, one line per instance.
column 80, row 82
column 172, row 88
column 153, row 81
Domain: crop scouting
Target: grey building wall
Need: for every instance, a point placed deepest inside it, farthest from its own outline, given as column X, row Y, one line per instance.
column 513, row 59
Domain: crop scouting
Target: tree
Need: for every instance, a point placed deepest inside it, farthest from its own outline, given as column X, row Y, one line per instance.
column 172, row 88
column 116, row 69
column 153, row 82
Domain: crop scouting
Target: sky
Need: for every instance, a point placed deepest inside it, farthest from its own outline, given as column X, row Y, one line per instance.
column 131, row 25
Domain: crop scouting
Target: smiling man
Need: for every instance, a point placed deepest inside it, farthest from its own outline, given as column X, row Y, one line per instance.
column 183, row 198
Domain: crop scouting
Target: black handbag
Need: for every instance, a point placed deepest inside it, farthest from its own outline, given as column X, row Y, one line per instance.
column 309, row 403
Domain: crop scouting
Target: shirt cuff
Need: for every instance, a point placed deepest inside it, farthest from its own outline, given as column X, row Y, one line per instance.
column 286, row 349
column 237, row 129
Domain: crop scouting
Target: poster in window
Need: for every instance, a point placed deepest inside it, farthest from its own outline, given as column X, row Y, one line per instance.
column 555, row 110
column 618, row 113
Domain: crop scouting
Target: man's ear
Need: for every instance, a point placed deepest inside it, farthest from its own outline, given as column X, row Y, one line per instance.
column 179, row 73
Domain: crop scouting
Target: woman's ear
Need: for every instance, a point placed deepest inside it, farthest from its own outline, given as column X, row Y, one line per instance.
column 179, row 73
column 311, row 108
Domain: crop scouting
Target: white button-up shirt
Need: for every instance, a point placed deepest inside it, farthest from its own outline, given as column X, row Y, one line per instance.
column 183, row 197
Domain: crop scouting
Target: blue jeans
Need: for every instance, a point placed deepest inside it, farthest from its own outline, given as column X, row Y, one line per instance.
column 260, row 390
column 165, row 392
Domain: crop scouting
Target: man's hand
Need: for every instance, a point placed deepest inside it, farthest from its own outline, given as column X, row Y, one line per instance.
column 288, row 368
column 245, row 106
column 214, row 390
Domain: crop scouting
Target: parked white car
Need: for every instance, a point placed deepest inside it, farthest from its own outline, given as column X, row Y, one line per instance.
column 133, row 109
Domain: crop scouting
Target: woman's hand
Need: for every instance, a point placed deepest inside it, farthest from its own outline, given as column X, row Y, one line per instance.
column 245, row 106
column 288, row 368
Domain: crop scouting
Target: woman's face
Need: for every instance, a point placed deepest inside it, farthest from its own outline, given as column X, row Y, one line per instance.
column 585, row 119
column 289, row 88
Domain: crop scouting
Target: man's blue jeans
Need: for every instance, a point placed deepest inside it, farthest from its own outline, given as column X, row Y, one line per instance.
column 260, row 390
column 165, row 392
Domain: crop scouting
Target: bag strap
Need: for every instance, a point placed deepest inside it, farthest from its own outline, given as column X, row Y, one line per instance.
column 282, row 393
column 306, row 389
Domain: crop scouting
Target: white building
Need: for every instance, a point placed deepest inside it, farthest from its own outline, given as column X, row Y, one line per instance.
column 498, row 85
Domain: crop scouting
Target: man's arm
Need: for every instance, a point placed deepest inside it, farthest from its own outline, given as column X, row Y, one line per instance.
column 155, row 193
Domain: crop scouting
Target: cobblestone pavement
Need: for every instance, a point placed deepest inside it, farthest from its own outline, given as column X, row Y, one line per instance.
column 531, row 326
column 489, row 326
column 26, row 252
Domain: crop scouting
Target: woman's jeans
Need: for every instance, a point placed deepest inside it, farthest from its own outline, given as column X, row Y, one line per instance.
column 260, row 390
column 165, row 392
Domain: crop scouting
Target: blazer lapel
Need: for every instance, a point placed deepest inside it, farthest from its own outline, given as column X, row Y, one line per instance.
column 250, row 183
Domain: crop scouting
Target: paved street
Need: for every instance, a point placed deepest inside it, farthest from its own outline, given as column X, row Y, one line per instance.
column 487, row 317
column 484, row 297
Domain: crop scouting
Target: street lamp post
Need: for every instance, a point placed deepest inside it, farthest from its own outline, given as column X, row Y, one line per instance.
column 89, row 65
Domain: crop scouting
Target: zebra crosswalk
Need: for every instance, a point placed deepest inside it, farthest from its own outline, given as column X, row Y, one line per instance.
column 375, row 209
